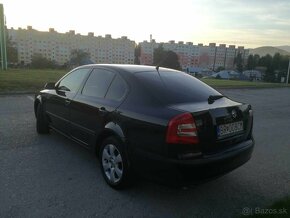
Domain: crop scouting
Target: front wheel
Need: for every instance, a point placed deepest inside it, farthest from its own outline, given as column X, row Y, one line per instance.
column 114, row 163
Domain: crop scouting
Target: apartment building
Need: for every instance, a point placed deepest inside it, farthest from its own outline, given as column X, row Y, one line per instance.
column 205, row 56
column 58, row 46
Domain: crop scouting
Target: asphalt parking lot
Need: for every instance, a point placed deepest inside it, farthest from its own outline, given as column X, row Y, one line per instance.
column 50, row 176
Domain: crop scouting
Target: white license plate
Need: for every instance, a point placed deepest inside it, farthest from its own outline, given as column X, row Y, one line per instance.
column 230, row 128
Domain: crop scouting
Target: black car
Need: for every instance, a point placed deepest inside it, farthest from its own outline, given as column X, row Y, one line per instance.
column 148, row 120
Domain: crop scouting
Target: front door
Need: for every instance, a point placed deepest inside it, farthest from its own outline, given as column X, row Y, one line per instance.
column 58, row 102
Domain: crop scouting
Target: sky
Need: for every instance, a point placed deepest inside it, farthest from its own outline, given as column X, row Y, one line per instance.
column 250, row 23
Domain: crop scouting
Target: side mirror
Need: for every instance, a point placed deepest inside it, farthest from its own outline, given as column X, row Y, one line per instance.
column 50, row 86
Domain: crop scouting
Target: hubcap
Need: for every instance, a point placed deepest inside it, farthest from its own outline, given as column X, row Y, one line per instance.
column 112, row 163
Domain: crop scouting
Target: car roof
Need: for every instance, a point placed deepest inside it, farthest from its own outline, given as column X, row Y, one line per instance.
column 127, row 67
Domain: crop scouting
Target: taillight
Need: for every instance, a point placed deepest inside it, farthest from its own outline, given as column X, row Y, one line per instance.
column 182, row 130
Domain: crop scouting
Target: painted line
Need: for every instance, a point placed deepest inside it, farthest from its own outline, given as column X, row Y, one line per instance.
column 30, row 97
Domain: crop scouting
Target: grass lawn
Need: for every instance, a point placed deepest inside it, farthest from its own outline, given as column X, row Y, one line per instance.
column 32, row 80
column 280, row 209
column 219, row 83
column 27, row 80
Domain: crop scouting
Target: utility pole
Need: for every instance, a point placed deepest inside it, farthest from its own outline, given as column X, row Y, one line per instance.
column 288, row 73
column 3, row 39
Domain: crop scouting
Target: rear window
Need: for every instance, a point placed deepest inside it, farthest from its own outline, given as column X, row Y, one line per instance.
column 173, row 87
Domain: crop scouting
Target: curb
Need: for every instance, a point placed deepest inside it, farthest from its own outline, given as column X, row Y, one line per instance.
column 250, row 87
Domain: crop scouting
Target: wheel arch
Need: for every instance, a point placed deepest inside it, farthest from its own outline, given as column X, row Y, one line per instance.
column 37, row 101
column 111, row 129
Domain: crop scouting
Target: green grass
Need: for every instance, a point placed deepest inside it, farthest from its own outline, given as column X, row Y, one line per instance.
column 32, row 80
column 27, row 80
column 219, row 83
column 280, row 209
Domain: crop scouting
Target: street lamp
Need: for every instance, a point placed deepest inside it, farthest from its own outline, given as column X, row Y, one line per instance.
column 3, row 51
column 288, row 73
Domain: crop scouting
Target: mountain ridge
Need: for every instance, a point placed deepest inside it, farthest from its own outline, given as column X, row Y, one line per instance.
column 271, row 50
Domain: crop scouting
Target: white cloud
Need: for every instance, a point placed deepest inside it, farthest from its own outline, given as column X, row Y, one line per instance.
column 244, row 22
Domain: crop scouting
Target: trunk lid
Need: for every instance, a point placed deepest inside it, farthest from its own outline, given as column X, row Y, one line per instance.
column 221, row 124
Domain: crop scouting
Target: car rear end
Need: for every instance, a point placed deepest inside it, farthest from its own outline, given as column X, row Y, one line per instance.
column 207, row 137
column 211, row 142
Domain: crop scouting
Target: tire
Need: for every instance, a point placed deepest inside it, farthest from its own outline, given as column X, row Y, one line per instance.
column 114, row 163
column 41, row 121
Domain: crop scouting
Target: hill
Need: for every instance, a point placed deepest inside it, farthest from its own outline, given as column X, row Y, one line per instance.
column 284, row 47
column 262, row 51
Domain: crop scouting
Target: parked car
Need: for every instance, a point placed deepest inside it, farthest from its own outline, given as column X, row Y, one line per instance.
column 149, row 121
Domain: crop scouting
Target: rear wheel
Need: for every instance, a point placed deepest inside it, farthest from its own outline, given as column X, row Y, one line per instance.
column 114, row 163
column 41, row 121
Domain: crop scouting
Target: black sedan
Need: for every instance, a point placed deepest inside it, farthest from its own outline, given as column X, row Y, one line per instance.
column 147, row 120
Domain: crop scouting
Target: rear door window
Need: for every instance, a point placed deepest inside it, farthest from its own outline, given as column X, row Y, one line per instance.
column 98, row 83
column 117, row 90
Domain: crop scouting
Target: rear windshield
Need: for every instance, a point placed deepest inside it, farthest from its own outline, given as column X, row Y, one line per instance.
column 173, row 87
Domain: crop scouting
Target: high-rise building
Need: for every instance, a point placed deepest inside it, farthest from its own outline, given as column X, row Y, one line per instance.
column 205, row 56
column 58, row 46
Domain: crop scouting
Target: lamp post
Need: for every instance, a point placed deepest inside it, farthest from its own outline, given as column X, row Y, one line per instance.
column 288, row 73
column 3, row 39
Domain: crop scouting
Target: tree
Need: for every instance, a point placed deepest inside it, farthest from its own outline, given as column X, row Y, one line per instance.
column 12, row 54
column 251, row 62
column 171, row 60
column 256, row 60
column 239, row 62
column 39, row 62
column 165, row 58
column 284, row 62
column 158, row 55
column 137, row 54
column 218, row 76
column 266, row 61
column 79, row 57
column 220, row 68
column 276, row 66
column 276, row 62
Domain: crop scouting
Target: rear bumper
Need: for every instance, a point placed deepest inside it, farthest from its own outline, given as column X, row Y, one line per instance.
column 198, row 169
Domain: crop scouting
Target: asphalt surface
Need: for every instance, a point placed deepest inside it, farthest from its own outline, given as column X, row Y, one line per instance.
column 50, row 176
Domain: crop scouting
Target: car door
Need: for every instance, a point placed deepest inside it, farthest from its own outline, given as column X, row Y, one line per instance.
column 94, row 105
column 58, row 102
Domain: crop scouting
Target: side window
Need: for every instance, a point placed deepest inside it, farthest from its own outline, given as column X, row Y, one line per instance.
column 98, row 83
column 73, row 80
column 117, row 90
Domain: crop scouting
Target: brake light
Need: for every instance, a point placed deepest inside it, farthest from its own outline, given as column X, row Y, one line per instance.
column 182, row 130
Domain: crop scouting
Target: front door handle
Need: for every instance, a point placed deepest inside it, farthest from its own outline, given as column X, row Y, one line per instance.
column 67, row 102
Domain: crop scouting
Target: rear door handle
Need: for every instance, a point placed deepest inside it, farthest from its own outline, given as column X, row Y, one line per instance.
column 67, row 102
column 103, row 109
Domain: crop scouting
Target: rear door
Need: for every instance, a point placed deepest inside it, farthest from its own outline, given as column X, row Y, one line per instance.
column 95, row 104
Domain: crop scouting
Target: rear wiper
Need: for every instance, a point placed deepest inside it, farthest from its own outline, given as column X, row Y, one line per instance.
column 212, row 98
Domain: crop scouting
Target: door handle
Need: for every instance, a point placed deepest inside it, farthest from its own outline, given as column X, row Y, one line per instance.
column 103, row 109
column 67, row 102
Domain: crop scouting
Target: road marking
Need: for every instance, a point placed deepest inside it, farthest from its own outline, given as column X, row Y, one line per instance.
column 30, row 97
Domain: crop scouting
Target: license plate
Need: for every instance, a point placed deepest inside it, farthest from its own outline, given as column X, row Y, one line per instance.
column 229, row 128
